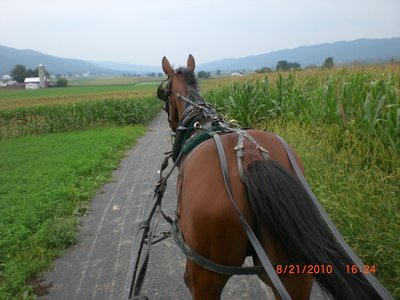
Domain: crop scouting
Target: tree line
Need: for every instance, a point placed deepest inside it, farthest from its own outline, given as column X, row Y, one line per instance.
column 284, row 65
column 20, row 72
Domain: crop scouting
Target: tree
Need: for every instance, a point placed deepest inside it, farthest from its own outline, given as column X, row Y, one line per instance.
column 282, row 65
column 328, row 63
column 61, row 82
column 32, row 73
column 294, row 65
column 203, row 74
column 18, row 73
column 263, row 70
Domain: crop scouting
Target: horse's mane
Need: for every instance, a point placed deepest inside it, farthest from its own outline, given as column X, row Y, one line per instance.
column 189, row 77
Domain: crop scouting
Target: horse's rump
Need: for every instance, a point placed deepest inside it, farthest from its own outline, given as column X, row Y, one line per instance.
column 205, row 210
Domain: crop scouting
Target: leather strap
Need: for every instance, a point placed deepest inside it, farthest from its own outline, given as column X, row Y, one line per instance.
column 209, row 264
column 266, row 263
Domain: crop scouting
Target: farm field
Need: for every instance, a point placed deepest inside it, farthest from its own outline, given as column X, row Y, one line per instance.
column 92, row 89
column 343, row 122
column 12, row 99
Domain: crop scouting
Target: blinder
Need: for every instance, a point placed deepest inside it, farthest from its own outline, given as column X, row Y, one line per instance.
column 163, row 93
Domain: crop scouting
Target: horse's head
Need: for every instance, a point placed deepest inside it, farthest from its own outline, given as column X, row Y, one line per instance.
column 180, row 90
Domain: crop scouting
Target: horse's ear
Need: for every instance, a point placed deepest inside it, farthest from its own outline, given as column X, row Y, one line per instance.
column 168, row 70
column 190, row 63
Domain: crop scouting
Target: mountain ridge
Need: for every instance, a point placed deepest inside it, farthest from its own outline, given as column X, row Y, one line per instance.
column 9, row 57
column 360, row 50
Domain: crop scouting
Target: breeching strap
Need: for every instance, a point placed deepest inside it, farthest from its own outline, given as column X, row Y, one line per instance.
column 252, row 237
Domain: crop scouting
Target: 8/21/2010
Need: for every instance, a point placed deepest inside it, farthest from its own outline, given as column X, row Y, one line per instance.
column 296, row 269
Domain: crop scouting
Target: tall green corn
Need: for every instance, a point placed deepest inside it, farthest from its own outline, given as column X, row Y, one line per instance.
column 359, row 102
column 76, row 116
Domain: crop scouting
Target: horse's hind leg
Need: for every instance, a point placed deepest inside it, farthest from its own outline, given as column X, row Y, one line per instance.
column 202, row 283
column 296, row 284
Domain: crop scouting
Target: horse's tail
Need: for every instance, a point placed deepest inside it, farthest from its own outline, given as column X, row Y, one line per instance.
column 279, row 201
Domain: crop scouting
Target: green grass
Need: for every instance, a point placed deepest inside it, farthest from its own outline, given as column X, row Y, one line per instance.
column 46, row 182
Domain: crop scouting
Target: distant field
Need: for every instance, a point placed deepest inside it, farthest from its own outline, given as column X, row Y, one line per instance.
column 89, row 89
column 74, row 81
column 11, row 99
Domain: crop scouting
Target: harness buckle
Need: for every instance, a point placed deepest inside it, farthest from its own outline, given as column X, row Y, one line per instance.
column 238, row 147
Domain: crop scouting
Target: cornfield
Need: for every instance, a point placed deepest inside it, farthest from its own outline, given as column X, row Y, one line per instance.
column 358, row 102
column 76, row 116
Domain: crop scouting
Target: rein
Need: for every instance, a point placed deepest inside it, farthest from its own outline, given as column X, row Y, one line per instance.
column 146, row 234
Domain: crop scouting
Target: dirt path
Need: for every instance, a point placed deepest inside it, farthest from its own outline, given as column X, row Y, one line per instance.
column 96, row 266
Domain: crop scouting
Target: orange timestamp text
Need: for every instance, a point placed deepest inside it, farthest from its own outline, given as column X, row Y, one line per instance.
column 363, row 269
column 297, row 269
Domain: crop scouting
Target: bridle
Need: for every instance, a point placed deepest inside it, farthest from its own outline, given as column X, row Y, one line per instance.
column 164, row 92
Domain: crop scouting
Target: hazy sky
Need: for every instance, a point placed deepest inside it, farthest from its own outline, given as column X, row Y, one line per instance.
column 143, row 31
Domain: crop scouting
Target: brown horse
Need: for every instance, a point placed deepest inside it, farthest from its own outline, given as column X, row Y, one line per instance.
column 268, row 194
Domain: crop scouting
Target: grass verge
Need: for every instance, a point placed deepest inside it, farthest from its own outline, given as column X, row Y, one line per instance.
column 46, row 183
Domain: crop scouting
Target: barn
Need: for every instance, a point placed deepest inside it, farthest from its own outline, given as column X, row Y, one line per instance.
column 37, row 82
column 32, row 83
